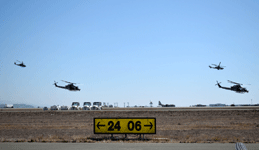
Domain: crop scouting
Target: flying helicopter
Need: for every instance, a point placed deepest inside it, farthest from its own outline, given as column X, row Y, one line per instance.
column 217, row 66
column 70, row 86
column 21, row 64
column 237, row 87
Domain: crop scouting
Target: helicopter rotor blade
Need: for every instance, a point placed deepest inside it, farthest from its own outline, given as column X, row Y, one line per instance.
column 219, row 63
column 234, row 82
column 246, row 84
column 18, row 60
column 77, row 83
column 66, row 81
column 69, row 82
column 214, row 64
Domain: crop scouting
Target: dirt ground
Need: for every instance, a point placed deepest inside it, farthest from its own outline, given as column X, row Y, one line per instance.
column 188, row 126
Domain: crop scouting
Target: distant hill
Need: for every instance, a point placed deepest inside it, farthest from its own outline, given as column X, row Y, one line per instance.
column 22, row 106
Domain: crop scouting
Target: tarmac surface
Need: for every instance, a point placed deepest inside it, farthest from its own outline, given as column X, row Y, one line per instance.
column 123, row 146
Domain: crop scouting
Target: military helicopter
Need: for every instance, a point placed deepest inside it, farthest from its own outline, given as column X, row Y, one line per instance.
column 70, row 86
column 21, row 64
column 237, row 87
column 217, row 66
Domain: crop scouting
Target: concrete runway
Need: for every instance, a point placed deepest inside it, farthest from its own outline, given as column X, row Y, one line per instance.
column 123, row 146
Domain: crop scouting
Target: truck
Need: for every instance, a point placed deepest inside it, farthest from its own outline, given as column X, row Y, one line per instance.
column 97, row 106
column 75, row 106
column 87, row 106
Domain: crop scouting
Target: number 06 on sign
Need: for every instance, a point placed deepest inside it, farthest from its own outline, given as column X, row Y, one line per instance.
column 124, row 125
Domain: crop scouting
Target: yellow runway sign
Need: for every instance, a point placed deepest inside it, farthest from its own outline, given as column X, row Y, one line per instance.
column 124, row 125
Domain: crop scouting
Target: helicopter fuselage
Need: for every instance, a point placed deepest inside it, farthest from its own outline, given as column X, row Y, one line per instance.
column 69, row 87
column 237, row 88
column 21, row 65
column 218, row 67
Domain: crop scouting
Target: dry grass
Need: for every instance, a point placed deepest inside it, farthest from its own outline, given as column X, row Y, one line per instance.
column 219, row 126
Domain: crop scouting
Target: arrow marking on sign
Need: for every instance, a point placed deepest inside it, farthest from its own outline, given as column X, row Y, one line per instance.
column 101, row 125
column 149, row 125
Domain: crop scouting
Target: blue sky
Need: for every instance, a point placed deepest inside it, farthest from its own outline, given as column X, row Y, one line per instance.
column 128, row 51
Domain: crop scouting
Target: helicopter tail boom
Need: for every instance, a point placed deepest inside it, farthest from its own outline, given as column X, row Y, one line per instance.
column 226, row 88
column 55, row 83
column 218, row 83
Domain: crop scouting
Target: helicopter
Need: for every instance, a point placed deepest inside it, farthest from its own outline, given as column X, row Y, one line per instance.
column 237, row 87
column 70, row 86
column 21, row 64
column 217, row 66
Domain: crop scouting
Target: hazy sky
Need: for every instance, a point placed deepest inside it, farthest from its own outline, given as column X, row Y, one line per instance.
column 128, row 51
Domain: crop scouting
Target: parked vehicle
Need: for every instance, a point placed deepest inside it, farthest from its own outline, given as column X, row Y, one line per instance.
column 54, row 107
column 87, row 106
column 75, row 106
column 97, row 106
column 63, row 108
